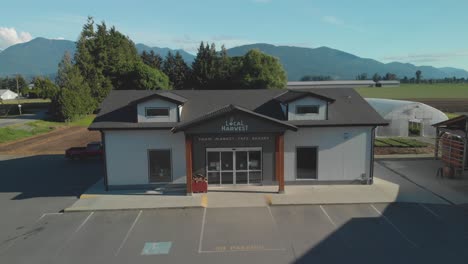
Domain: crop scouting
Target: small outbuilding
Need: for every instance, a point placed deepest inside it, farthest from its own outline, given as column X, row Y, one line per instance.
column 406, row 118
column 452, row 142
column 6, row 94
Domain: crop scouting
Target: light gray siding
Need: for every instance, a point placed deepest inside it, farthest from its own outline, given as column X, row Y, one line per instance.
column 307, row 101
column 127, row 155
column 344, row 153
column 173, row 111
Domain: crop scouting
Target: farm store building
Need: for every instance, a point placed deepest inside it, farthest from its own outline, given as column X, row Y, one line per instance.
column 261, row 137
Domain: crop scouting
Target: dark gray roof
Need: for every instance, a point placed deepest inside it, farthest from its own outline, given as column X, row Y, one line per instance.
column 227, row 110
column 290, row 95
column 118, row 111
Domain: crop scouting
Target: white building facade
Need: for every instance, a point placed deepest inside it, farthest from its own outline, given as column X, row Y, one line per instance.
column 270, row 137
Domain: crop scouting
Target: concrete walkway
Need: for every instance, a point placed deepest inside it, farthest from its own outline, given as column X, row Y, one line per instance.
column 388, row 187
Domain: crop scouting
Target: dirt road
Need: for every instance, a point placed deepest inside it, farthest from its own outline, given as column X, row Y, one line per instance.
column 55, row 142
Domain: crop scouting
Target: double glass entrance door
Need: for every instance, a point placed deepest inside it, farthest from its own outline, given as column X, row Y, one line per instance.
column 234, row 166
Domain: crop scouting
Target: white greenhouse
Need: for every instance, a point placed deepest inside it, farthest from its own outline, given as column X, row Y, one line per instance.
column 406, row 118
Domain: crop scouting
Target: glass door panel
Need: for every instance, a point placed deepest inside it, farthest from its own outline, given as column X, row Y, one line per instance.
column 213, row 166
column 227, row 167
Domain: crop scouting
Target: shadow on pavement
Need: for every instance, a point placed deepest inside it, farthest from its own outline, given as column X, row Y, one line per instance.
column 48, row 176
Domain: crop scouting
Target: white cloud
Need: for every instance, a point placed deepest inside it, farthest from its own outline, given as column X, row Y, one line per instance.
column 60, row 38
column 427, row 57
column 9, row 36
column 333, row 20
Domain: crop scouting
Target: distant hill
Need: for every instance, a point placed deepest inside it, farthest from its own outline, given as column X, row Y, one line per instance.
column 188, row 58
column 338, row 64
column 41, row 56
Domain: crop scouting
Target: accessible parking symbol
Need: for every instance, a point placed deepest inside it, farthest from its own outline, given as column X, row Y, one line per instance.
column 156, row 248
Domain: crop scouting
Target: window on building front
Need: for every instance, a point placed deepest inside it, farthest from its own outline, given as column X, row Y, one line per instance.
column 307, row 109
column 306, row 163
column 156, row 112
column 160, row 166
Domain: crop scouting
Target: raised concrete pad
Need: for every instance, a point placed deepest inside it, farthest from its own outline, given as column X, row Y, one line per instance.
column 388, row 187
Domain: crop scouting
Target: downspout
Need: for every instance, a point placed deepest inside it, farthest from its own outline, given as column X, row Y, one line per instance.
column 370, row 179
column 103, row 141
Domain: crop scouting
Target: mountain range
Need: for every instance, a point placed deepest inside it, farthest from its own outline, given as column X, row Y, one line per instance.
column 41, row 56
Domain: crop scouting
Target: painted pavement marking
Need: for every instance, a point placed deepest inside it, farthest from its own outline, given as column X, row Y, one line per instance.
column 430, row 211
column 156, row 248
column 394, row 227
column 73, row 234
column 128, row 233
column 200, row 242
column 328, row 216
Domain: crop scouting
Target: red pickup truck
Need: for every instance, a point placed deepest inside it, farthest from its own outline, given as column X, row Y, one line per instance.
column 93, row 149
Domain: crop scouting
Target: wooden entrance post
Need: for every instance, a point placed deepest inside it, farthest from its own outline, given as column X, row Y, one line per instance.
column 279, row 164
column 188, row 163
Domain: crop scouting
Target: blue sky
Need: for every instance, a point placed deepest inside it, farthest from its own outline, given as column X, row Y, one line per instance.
column 430, row 32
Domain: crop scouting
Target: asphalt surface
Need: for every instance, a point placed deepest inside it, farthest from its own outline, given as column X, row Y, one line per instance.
column 8, row 121
column 32, row 229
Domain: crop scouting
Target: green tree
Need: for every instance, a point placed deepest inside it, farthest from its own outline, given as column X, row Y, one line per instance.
column 144, row 77
column 418, row 76
column 316, row 78
column 177, row 70
column 362, row 76
column 261, row 71
column 152, row 59
column 204, row 71
column 376, row 77
column 45, row 88
column 74, row 98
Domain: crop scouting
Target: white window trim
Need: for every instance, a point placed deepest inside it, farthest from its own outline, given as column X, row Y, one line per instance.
column 305, row 114
column 159, row 116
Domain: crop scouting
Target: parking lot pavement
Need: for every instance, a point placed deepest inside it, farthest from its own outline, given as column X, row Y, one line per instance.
column 356, row 233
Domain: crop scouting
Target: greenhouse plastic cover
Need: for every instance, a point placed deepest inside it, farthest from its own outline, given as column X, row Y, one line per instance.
column 399, row 113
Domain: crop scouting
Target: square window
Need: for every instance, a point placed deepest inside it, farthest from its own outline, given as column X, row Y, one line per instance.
column 156, row 112
column 160, row 166
column 307, row 109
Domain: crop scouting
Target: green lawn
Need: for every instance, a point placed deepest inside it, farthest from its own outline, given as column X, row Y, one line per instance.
column 26, row 101
column 410, row 91
column 400, row 142
column 19, row 131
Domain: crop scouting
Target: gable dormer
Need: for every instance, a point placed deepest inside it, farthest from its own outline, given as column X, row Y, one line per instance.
column 159, row 107
column 301, row 105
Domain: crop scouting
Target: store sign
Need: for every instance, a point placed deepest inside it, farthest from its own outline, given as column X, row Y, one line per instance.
column 233, row 138
column 233, row 125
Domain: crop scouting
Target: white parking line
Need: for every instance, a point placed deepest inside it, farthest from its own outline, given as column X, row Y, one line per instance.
column 47, row 214
column 328, row 216
column 202, row 231
column 73, row 234
column 394, row 226
column 128, row 233
column 430, row 211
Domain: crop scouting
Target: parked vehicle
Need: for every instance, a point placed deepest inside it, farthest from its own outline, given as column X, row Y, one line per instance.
column 93, row 149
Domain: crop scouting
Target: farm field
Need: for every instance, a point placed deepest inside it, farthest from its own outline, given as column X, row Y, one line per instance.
column 417, row 91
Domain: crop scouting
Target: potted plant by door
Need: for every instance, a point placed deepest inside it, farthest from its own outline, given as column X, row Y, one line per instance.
column 199, row 183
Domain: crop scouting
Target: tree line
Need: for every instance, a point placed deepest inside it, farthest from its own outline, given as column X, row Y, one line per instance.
column 105, row 59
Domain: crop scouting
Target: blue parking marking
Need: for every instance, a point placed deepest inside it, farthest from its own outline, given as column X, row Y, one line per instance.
column 156, row 248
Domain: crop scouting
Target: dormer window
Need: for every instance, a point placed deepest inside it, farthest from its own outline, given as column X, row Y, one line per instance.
column 307, row 109
column 157, row 112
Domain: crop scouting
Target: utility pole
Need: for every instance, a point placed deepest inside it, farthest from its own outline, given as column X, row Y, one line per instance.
column 18, row 97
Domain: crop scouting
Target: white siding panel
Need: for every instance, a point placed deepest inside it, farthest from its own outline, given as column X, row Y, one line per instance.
column 173, row 109
column 127, row 155
column 343, row 152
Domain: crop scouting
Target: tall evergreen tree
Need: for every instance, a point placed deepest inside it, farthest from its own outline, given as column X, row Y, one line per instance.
column 152, row 59
column 177, row 70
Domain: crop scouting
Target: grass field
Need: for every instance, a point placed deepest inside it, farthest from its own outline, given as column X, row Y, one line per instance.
column 20, row 131
column 26, row 101
column 413, row 91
